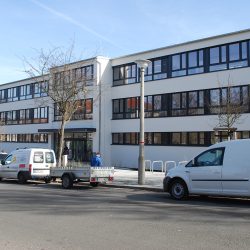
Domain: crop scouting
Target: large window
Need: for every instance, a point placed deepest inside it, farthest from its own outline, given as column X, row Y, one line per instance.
column 237, row 97
column 83, row 112
column 165, row 138
column 24, row 138
column 25, row 116
column 220, row 57
column 84, row 74
column 196, row 102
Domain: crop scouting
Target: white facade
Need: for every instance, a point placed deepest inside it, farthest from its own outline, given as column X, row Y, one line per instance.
column 107, row 126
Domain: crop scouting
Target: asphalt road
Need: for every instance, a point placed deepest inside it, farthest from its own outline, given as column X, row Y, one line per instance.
column 39, row 216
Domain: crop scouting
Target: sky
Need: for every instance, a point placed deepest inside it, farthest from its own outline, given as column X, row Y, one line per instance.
column 110, row 28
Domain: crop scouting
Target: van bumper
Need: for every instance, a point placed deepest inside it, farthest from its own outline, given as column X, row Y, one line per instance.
column 166, row 183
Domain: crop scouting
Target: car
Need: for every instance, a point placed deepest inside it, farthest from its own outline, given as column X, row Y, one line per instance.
column 223, row 170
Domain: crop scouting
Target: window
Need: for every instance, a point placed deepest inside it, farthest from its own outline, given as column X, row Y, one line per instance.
column 218, row 58
column 49, row 157
column 148, row 75
column 160, row 68
column 179, row 65
column 38, row 157
column 195, row 62
column 238, row 55
column 212, row 157
column 179, row 104
column 83, row 74
column 83, row 112
column 131, row 107
column 130, row 74
column 118, row 109
column 2, row 96
column 196, row 102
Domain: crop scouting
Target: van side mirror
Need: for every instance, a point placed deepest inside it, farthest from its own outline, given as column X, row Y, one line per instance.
column 2, row 162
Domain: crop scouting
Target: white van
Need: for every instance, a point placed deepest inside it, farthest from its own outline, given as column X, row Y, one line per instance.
column 28, row 163
column 222, row 169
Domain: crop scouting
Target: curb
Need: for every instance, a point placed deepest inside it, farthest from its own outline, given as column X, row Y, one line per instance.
column 153, row 189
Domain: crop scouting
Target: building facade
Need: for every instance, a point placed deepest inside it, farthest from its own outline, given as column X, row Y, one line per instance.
column 185, row 85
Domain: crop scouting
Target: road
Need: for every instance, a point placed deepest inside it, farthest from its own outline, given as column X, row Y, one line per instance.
column 40, row 216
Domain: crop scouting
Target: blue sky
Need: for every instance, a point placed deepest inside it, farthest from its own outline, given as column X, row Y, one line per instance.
column 109, row 27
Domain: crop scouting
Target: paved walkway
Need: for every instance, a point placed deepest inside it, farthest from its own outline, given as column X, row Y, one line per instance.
column 129, row 179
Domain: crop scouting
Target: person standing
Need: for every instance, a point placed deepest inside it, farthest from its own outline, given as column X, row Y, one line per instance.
column 96, row 160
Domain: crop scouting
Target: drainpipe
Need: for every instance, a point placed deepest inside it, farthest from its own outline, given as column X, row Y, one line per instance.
column 100, row 105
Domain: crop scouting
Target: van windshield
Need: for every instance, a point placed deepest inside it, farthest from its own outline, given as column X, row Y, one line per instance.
column 49, row 157
column 38, row 157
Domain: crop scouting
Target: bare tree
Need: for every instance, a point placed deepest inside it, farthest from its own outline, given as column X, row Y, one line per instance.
column 229, row 103
column 58, row 80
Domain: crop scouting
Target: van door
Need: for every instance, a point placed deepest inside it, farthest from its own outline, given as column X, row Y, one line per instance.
column 40, row 168
column 205, row 172
column 10, row 167
column 236, row 171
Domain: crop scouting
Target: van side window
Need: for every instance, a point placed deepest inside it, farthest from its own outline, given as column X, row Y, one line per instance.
column 38, row 157
column 212, row 157
column 8, row 159
column 49, row 157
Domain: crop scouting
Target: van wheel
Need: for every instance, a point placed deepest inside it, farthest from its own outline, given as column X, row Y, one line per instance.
column 47, row 180
column 94, row 184
column 21, row 178
column 178, row 190
column 67, row 181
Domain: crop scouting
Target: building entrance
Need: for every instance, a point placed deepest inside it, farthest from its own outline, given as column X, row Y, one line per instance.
column 80, row 146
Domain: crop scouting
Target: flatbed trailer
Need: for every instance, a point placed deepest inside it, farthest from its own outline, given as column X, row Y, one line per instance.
column 93, row 175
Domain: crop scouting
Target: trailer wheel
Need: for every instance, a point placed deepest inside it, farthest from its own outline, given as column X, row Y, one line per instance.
column 21, row 178
column 94, row 184
column 67, row 181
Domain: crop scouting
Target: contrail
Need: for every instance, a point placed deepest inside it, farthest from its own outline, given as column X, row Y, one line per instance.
column 76, row 23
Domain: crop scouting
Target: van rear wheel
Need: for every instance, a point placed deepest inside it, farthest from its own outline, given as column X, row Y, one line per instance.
column 21, row 178
column 178, row 190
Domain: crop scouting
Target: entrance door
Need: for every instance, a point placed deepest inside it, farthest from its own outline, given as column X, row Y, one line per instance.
column 78, row 150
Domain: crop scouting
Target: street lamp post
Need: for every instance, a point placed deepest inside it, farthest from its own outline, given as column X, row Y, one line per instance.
column 142, row 64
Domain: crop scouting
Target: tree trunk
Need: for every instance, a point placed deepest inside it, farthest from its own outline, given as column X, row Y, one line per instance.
column 61, row 142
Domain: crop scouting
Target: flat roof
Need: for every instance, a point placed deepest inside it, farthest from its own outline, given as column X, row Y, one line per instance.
column 184, row 43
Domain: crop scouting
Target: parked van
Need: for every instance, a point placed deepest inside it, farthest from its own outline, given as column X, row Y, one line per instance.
column 28, row 163
column 222, row 169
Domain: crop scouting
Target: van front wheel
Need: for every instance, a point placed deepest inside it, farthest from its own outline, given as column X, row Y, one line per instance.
column 178, row 190
column 21, row 178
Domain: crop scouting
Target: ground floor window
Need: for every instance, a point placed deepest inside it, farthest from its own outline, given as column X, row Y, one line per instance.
column 200, row 138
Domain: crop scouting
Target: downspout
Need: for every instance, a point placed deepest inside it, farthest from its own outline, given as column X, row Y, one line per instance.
column 100, row 105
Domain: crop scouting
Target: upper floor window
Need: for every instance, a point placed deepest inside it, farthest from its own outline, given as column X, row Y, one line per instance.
column 179, row 65
column 130, row 74
column 2, row 96
column 160, row 68
column 84, row 74
column 195, row 62
column 83, row 112
column 238, row 55
column 25, row 92
column 40, row 89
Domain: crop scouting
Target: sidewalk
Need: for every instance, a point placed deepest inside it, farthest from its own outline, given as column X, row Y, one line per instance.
column 129, row 179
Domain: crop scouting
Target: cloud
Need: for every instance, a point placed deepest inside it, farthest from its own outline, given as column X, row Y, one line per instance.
column 76, row 23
